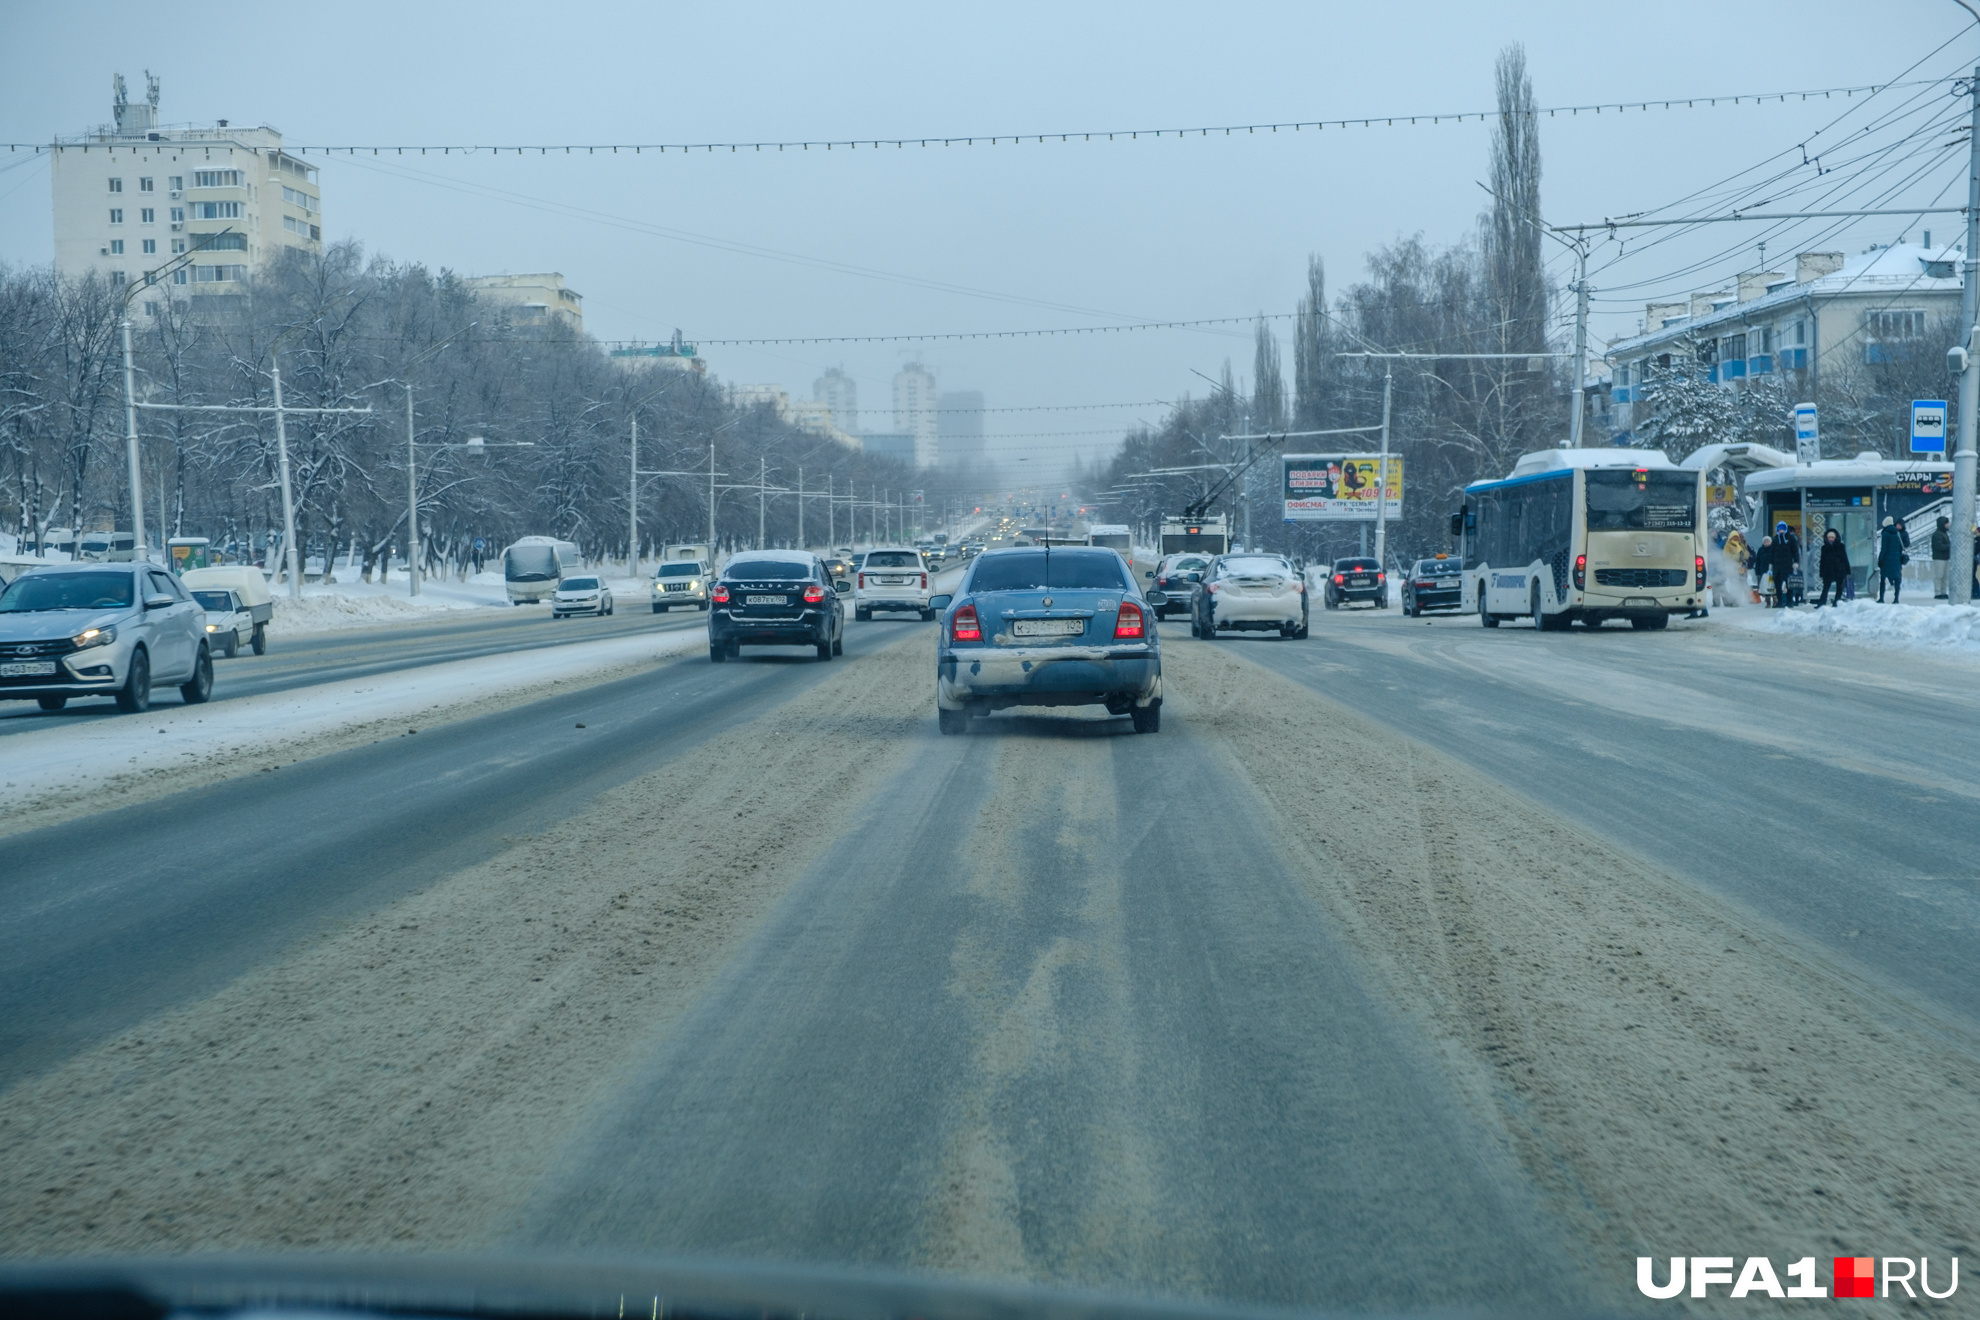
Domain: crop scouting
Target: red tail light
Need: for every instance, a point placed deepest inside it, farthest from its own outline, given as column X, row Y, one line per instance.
column 1380, row 576
column 1701, row 572
column 720, row 595
column 813, row 593
column 862, row 582
column 924, row 582
column 1128, row 622
column 1580, row 572
column 964, row 627
column 1339, row 578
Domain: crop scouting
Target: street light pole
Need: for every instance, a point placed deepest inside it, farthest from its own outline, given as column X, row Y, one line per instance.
column 131, row 444
column 1382, row 473
column 1580, row 344
column 1966, row 457
column 632, row 501
column 412, row 498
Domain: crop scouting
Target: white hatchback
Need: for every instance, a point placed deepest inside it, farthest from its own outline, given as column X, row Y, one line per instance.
column 891, row 578
column 580, row 595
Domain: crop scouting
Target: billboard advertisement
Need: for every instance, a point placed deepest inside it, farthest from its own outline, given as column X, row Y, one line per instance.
column 1338, row 487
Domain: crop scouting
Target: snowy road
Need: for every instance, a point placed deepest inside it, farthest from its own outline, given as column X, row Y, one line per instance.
column 1835, row 789
column 1278, row 1005
column 313, row 658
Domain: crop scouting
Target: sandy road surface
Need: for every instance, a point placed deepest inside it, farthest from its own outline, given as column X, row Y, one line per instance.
column 1045, row 1002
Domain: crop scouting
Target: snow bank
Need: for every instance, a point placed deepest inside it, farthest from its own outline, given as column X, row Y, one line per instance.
column 1935, row 629
column 330, row 610
column 110, row 761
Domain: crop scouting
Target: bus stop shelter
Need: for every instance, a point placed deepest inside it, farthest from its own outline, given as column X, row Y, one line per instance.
column 1852, row 496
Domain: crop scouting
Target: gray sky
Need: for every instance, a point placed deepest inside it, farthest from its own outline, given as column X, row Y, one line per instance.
column 1034, row 236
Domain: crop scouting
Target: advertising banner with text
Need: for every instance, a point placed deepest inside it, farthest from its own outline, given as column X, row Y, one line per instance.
column 1339, row 487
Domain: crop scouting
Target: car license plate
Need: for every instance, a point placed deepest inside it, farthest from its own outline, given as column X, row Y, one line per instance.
column 677, row 586
column 766, row 600
column 892, row 581
column 27, row 669
column 1359, row 582
column 1047, row 627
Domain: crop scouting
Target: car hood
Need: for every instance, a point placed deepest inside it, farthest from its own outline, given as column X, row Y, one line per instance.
column 37, row 625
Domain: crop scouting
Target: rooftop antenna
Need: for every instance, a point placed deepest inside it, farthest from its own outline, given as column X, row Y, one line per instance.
column 151, row 88
column 122, row 97
column 1763, row 254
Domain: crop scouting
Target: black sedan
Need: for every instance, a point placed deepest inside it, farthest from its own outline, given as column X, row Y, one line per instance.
column 1433, row 584
column 1356, row 579
column 776, row 598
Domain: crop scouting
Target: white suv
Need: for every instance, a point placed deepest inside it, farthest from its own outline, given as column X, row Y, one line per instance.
column 891, row 578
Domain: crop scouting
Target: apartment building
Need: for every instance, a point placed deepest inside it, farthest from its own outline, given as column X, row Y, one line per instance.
column 959, row 428
column 1831, row 312
column 915, row 411
column 840, row 394
column 539, row 299
column 131, row 195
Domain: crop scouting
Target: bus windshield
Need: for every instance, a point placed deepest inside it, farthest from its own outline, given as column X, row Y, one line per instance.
column 531, row 563
column 1642, row 500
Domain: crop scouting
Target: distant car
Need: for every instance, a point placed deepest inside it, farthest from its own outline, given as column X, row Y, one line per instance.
column 839, row 566
column 1433, row 584
column 892, row 578
column 1356, row 579
column 1176, row 576
column 681, row 586
column 229, row 624
column 580, row 595
column 108, row 630
column 1250, row 593
column 775, row 598
column 1032, row 628
column 250, row 587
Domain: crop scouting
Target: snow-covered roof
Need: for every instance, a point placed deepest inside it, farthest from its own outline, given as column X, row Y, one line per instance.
column 1108, row 529
column 1742, row 457
column 1898, row 270
column 1866, row 469
column 777, row 556
column 1557, row 460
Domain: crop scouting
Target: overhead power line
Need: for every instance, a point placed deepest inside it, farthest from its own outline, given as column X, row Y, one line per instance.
column 990, row 334
column 997, row 139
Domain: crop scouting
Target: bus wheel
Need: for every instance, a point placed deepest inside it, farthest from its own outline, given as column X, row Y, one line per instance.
column 1650, row 622
column 1485, row 616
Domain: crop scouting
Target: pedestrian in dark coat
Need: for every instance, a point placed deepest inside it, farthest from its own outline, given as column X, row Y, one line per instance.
column 1834, row 565
column 1941, row 557
column 1781, row 561
column 1890, row 561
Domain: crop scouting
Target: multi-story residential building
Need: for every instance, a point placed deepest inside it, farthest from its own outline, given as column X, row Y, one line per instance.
column 840, row 393
column 1833, row 313
column 915, row 403
column 539, row 299
column 959, row 428
column 132, row 194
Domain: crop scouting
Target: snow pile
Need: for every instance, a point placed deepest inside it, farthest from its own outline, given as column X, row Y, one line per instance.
column 330, row 610
column 1938, row 629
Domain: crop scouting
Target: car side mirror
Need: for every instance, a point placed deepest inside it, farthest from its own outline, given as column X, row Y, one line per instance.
column 941, row 602
column 841, row 586
column 158, row 600
column 1156, row 598
column 1148, row 572
column 1196, row 577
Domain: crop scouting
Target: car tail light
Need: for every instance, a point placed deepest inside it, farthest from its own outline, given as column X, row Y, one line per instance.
column 924, row 582
column 1580, row 572
column 813, row 593
column 720, row 595
column 963, row 627
column 1212, row 587
column 1339, row 579
column 1701, row 572
column 1128, row 622
column 1381, row 576
column 862, row 582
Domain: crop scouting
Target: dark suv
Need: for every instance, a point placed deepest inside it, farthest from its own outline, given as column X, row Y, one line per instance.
column 1357, row 579
column 776, row 598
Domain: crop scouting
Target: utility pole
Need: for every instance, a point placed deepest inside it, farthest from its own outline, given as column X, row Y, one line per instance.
column 762, row 495
column 800, row 544
column 412, row 498
column 711, row 495
column 1966, row 456
column 1382, row 473
column 288, row 497
column 1581, row 341
column 632, row 502
column 131, row 447
column 831, row 516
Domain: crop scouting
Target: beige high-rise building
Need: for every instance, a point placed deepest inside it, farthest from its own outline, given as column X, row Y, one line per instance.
column 534, row 299
column 132, row 194
column 915, row 411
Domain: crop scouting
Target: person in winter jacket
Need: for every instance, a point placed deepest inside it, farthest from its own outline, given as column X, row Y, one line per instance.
column 1782, row 557
column 1890, row 560
column 1834, row 566
column 1941, row 557
column 1784, row 534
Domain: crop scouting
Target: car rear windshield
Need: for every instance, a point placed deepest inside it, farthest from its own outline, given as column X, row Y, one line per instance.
column 1642, row 500
column 1438, row 568
column 220, row 601
column 893, row 559
column 680, row 570
column 1253, row 564
column 767, row 570
column 1354, row 565
column 1039, row 570
column 1188, row 563
column 580, row 584
column 67, row 591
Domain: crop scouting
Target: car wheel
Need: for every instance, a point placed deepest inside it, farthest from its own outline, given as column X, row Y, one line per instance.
column 862, row 615
column 51, row 703
column 704, row 605
column 839, row 644
column 928, row 616
column 717, row 653
column 1147, row 719
column 824, row 650
column 952, row 721
column 135, row 696
column 260, row 640
column 1305, row 628
column 659, row 609
column 200, row 686
column 231, row 646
